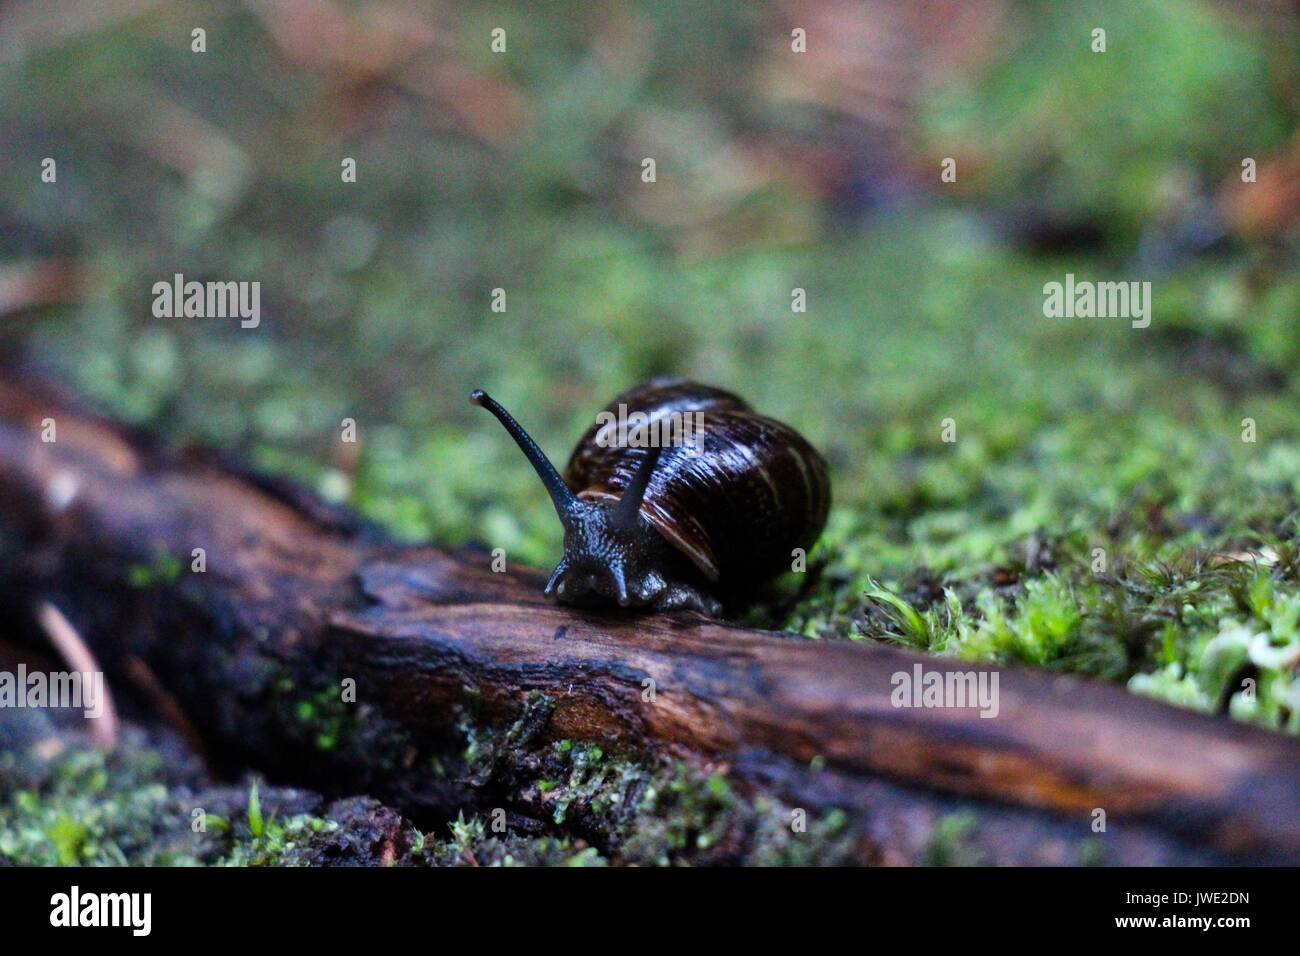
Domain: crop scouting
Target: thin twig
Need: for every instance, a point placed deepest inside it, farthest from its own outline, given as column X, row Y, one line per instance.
column 77, row 655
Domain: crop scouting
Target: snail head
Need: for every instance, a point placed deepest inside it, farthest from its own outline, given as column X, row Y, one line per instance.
column 612, row 553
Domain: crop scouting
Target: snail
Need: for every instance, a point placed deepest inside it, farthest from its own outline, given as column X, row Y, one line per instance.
column 665, row 528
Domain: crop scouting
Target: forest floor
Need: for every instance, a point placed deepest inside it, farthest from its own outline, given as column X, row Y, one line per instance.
column 1068, row 493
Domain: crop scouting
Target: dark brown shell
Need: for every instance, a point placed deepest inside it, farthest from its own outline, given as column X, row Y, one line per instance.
column 737, row 510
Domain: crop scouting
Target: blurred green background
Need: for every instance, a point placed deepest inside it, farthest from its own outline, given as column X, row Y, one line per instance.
column 776, row 170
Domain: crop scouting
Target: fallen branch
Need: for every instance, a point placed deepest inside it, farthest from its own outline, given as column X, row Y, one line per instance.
column 297, row 598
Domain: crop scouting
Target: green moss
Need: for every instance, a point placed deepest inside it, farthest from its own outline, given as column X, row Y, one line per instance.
column 948, row 842
column 1202, row 630
column 629, row 807
column 1093, row 853
column 586, row 779
column 334, row 726
column 87, row 809
column 290, row 842
column 510, row 849
column 256, row 824
column 163, row 570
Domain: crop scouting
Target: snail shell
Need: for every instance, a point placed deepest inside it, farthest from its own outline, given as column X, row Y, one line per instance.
column 737, row 509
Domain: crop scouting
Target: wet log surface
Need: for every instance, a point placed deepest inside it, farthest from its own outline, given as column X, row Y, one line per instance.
column 298, row 596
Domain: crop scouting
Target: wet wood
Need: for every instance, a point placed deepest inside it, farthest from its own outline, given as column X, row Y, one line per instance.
column 294, row 587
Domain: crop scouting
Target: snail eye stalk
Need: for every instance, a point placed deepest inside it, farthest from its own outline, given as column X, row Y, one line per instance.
column 629, row 506
column 566, row 503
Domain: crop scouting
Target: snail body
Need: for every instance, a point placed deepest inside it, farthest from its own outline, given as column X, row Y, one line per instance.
column 668, row 527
